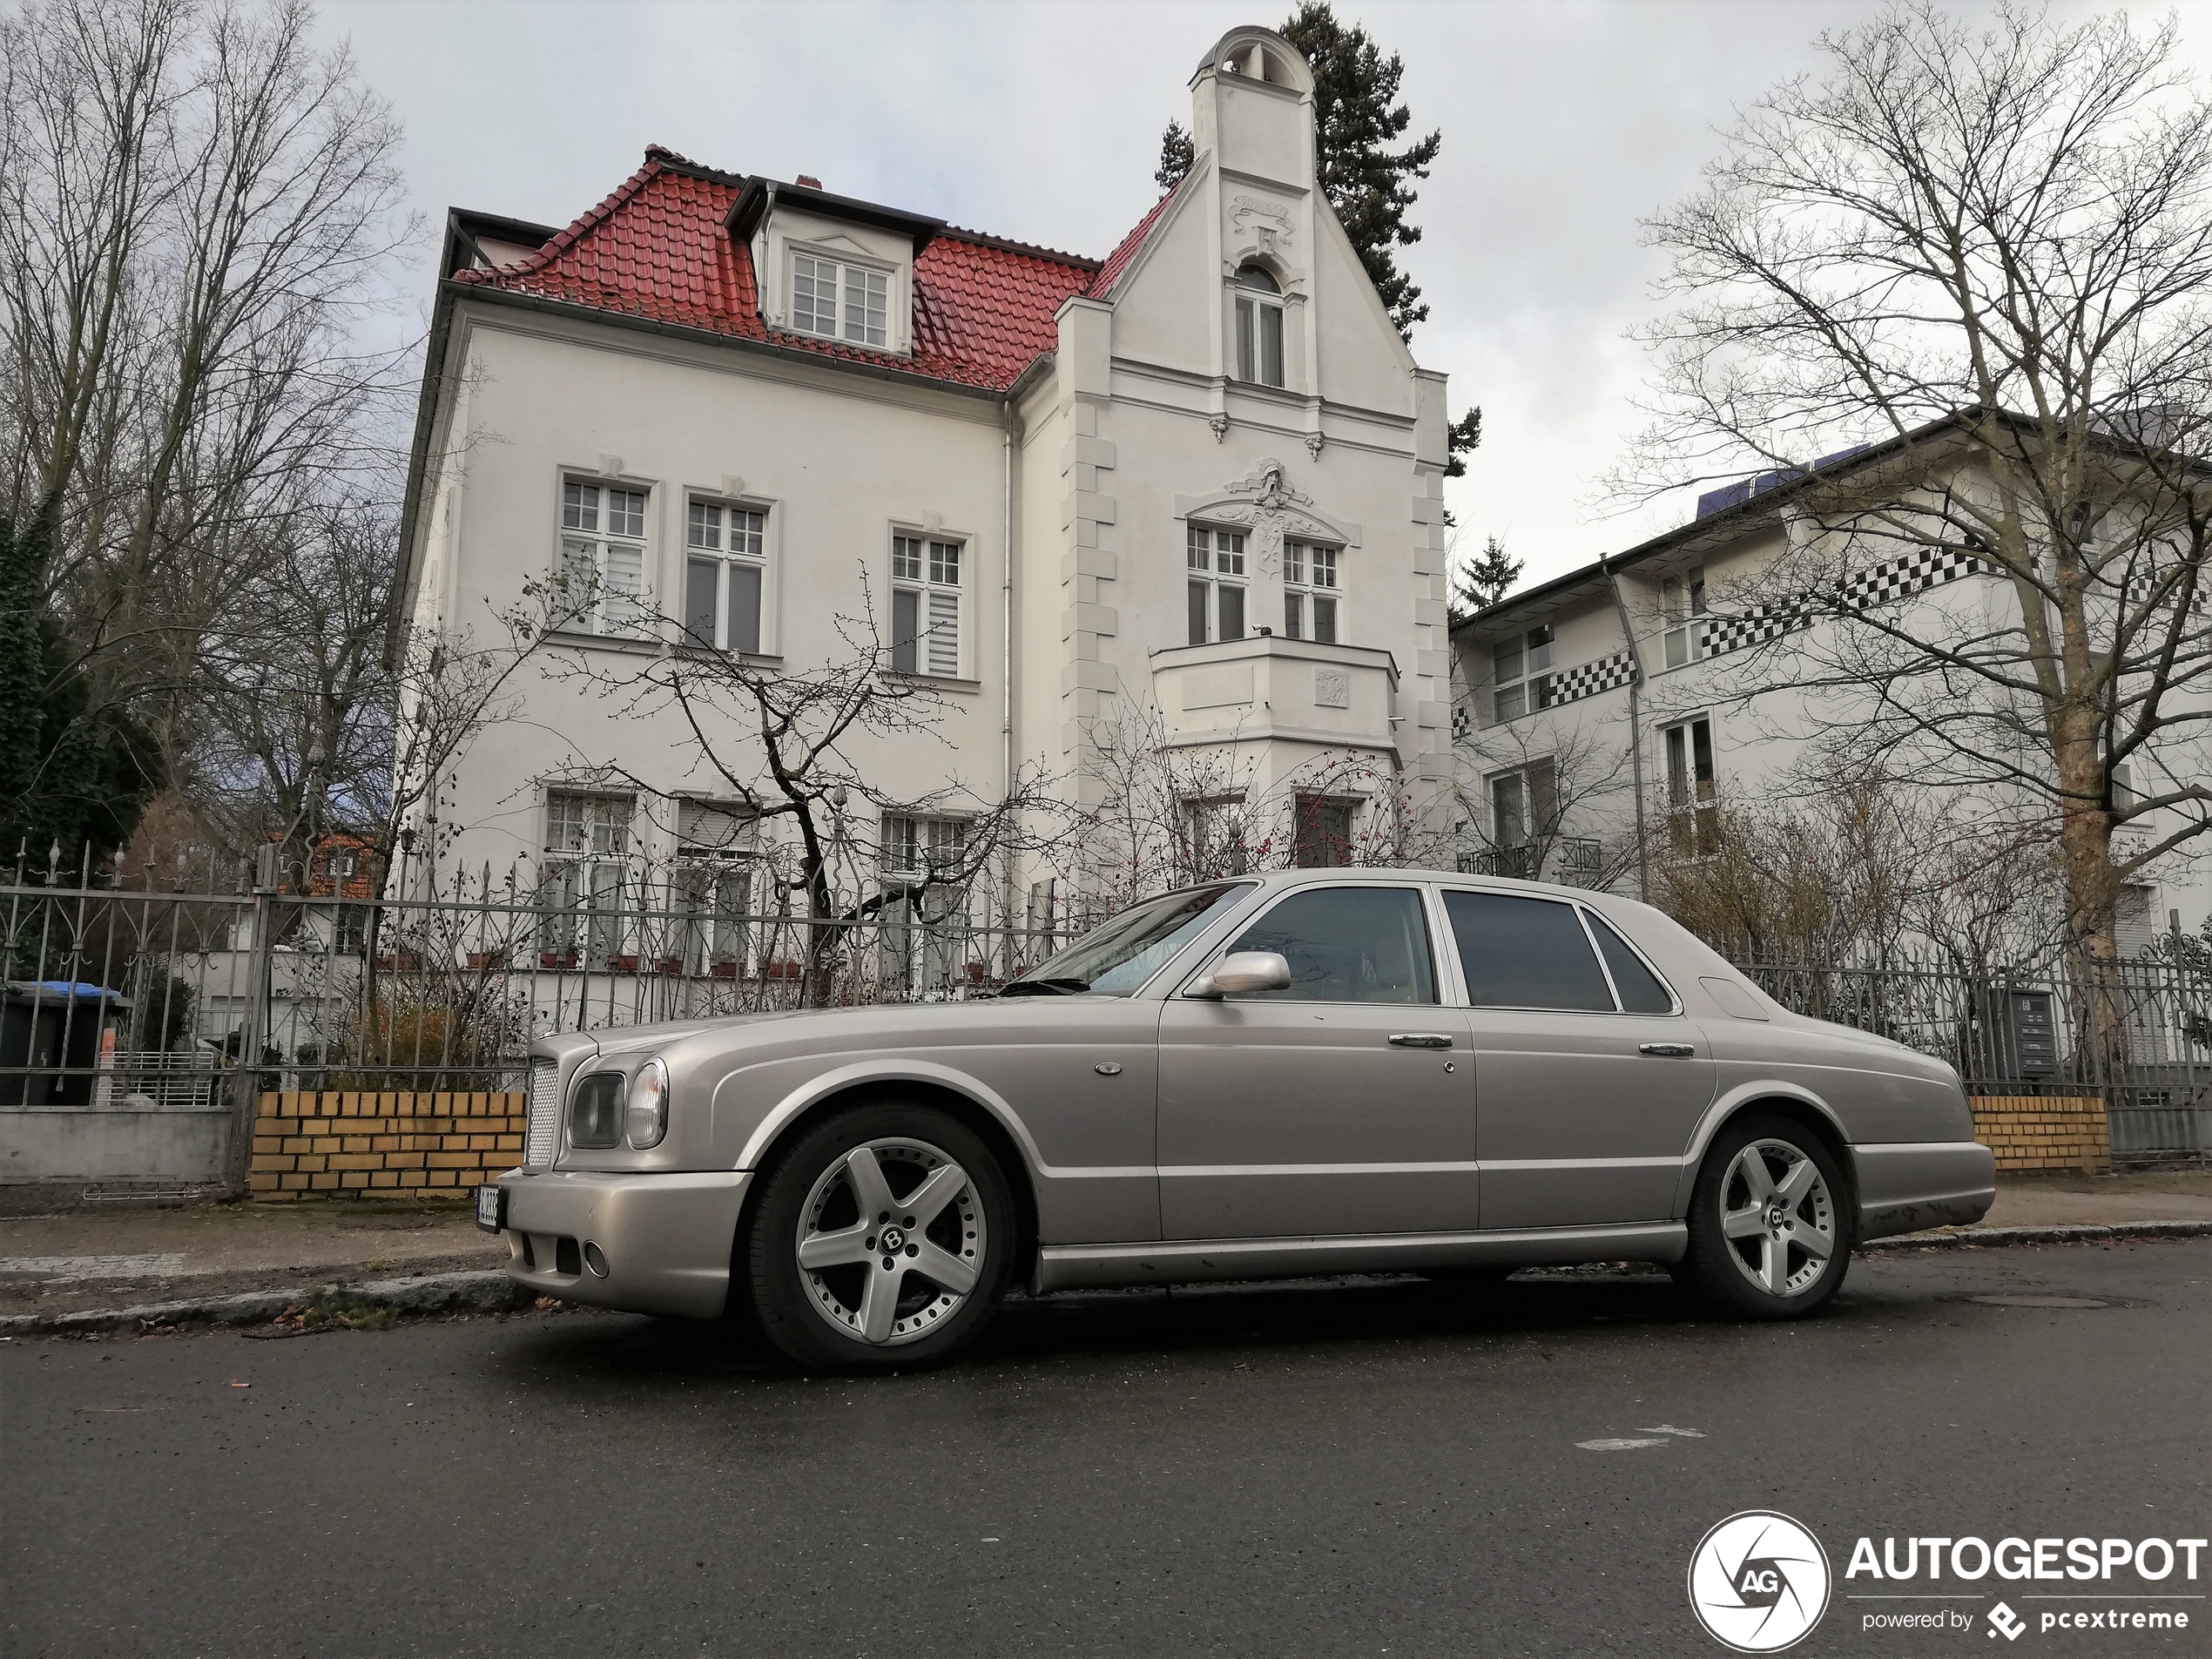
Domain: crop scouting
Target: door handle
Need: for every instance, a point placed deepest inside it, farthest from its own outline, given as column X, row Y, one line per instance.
column 1667, row 1050
column 1421, row 1040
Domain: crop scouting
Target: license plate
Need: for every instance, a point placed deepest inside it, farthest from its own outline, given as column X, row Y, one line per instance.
column 491, row 1208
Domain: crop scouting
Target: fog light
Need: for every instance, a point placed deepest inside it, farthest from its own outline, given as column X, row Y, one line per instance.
column 595, row 1258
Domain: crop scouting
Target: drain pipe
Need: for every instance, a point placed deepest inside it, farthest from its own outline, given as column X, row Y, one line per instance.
column 1635, row 725
column 1006, row 603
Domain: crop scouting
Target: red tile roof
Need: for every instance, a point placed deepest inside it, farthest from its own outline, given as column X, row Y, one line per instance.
column 1119, row 260
column 657, row 249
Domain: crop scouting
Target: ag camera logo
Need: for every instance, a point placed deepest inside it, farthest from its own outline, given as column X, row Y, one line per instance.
column 1758, row 1581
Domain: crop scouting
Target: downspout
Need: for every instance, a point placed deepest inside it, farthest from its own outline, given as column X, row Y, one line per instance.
column 1636, row 727
column 1006, row 644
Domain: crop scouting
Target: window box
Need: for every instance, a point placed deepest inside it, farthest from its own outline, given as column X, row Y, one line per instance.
column 723, row 970
column 559, row 960
column 622, row 964
column 668, row 964
column 479, row 960
column 783, row 970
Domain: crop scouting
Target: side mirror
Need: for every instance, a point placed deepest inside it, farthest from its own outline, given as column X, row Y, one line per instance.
column 1242, row 972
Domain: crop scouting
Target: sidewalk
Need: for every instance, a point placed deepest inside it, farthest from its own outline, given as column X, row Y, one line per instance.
column 108, row 1256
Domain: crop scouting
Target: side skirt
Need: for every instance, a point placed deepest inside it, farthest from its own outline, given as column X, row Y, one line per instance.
column 1062, row 1267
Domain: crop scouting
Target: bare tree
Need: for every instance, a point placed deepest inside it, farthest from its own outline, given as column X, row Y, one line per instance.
column 1990, row 253
column 1542, row 786
column 197, row 208
column 775, row 746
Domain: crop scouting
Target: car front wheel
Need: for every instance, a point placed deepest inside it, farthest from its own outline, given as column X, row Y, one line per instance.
column 882, row 1240
column 1770, row 1229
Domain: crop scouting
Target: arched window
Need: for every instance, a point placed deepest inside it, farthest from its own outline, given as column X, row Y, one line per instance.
column 1259, row 327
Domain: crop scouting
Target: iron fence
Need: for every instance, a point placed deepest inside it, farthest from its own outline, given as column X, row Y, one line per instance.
column 156, row 1000
column 2137, row 1034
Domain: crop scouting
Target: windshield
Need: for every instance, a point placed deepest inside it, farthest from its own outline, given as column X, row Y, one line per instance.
column 1117, row 957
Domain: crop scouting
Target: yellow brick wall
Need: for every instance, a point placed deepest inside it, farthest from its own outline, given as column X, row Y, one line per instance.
column 383, row 1145
column 2044, row 1131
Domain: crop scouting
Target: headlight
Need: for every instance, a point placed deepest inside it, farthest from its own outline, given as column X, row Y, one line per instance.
column 594, row 1110
column 646, row 1120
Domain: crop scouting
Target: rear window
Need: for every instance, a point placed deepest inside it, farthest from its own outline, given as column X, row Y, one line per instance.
column 1525, row 953
column 1641, row 991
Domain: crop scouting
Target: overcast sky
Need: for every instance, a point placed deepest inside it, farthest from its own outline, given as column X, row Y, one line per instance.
column 1563, row 125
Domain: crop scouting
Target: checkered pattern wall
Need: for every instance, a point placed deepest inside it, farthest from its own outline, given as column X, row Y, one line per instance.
column 1462, row 718
column 1916, row 572
column 1754, row 627
column 1573, row 685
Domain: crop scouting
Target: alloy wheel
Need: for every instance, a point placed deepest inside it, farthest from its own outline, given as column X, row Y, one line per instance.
column 1778, row 1218
column 891, row 1240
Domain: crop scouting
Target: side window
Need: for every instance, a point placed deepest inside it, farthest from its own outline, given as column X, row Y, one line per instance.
column 1348, row 945
column 1525, row 953
column 1641, row 991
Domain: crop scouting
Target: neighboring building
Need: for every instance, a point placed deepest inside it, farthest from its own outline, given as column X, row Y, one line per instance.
column 1604, row 716
column 1200, row 476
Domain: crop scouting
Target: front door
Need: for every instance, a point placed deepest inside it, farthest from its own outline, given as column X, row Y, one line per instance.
column 1342, row 1105
column 1590, row 1082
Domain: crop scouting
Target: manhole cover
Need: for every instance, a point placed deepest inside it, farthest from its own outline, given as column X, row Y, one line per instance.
column 2025, row 1301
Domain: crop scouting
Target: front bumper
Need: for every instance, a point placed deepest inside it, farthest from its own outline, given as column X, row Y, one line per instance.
column 1906, row 1187
column 644, row 1243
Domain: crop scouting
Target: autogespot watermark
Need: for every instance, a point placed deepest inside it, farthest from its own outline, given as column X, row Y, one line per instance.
column 2145, row 1584
column 1759, row 1582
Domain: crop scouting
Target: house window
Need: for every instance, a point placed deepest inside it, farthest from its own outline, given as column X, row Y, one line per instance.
column 1516, row 664
column 1215, row 835
column 1682, row 600
column 1323, row 826
column 724, row 567
column 924, row 944
column 839, row 301
column 1259, row 327
column 580, row 885
column 603, row 557
column 1524, row 812
column 1216, row 561
column 713, row 883
column 1693, row 794
column 925, row 607
column 1310, row 592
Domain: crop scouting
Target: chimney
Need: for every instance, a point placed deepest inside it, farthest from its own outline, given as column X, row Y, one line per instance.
column 810, row 182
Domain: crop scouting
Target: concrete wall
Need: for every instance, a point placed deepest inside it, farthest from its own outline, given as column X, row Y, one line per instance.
column 85, row 1145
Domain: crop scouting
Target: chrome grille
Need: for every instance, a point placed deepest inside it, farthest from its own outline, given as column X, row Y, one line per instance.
column 545, row 1113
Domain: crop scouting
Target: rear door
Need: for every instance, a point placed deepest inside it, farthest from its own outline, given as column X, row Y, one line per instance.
column 1589, row 1081
column 1342, row 1105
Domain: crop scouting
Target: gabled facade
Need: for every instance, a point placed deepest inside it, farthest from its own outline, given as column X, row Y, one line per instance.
column 1197, row 482
column 1604, row 716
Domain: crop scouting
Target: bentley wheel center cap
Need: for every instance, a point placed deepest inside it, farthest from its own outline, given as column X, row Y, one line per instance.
column 893, row 1241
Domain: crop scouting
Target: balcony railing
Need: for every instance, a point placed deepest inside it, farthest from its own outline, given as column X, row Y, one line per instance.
column 1575, row 861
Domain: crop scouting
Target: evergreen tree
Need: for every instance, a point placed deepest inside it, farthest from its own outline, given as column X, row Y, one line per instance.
column 1175, row 157
column 69, row 772
column 1485, row 579
column 1356, row 118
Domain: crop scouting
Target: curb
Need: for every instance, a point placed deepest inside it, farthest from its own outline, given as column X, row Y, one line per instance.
column 480, row 1292
column 2074, row 1233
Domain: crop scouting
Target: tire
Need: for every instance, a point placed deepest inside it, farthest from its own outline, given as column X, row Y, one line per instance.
column 841, row 1308
column 1757, row 1253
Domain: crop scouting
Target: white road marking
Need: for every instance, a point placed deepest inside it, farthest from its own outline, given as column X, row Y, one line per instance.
column 64, row 1270
column 1618, row 1446
column 1668, row 1429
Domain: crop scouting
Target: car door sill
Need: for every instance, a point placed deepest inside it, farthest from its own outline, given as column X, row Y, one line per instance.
column 1062, row 1267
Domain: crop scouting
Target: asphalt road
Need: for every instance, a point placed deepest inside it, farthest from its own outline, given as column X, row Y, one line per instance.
column 1382, row 1467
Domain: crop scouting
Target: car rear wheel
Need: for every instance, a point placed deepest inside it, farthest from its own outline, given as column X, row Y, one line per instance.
column 1771, row 1227
column 882, row 1241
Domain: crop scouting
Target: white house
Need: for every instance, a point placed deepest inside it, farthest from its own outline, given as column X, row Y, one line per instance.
column 1601, row 715
column 1197, row 481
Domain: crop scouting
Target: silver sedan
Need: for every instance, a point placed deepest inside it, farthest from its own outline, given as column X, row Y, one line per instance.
column 1314, row 1072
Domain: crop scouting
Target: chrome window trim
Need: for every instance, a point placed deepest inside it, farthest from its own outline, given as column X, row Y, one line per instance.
column 1466, row 996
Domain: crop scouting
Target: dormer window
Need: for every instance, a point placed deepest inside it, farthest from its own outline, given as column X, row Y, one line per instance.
column 839, row 301
column 1259, row 327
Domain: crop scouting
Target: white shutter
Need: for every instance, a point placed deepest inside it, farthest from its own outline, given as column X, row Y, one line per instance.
column 625, row 582
column 580, row 569
column 944, row 633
